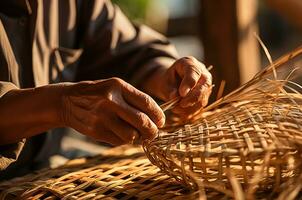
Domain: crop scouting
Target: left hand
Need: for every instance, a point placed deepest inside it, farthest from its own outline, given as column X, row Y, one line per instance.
column 189, row 79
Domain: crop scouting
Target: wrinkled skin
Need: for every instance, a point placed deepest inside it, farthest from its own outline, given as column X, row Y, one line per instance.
column 108, row 110
column 112, row 111
column 189, row 79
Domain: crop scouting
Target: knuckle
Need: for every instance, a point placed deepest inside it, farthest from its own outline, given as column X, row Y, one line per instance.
column 108, row 99
column 184, row 61
column 144, row 122
column 142, row 119
column 116, row 80
column 150, row 105
column 147, row 102
column 188, row 58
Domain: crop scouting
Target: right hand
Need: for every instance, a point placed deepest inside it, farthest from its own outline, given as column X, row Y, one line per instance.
column 111, row 111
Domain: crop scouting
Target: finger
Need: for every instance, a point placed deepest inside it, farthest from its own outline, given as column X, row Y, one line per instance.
column 92, row 125
column 146, row 127
column 200, row 93
column 95, row 130
column 189, row 69
column 122, row 129
column 192, row 72
column 144, row 103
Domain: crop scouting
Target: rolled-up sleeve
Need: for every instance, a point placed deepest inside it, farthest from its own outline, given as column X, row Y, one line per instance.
column 113, row 46
column 9, row 153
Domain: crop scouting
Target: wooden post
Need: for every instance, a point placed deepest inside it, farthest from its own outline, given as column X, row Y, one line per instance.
column 227, row 33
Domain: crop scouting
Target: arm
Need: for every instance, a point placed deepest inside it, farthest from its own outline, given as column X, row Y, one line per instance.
column 108, row 110
column 28, row 112
column 113, row 46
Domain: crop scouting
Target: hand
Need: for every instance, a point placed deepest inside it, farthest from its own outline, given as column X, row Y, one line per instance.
column 111, row 111
column 189, row 79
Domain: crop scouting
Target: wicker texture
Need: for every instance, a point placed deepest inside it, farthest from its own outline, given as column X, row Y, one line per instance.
column 121, row 173
column 248, row 140
column 245, row 145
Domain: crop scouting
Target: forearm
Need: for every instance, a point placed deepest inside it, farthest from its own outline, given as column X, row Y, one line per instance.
column 28, row 112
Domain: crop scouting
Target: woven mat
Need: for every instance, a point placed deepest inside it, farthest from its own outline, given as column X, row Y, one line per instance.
column 119, row 173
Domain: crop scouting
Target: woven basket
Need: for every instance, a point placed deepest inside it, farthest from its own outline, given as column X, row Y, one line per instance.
column 246, row 145
column 249, row 140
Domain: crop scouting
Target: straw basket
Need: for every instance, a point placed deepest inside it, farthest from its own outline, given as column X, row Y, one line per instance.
column 248, row 140
column 246, row 145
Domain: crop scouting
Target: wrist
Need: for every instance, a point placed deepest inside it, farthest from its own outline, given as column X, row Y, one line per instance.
column 52, row 96
column 28, row 112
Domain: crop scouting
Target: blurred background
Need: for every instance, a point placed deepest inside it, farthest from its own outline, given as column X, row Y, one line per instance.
column 217, row 32
column 221, row 33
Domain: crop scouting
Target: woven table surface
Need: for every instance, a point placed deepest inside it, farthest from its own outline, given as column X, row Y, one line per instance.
column 119, row 173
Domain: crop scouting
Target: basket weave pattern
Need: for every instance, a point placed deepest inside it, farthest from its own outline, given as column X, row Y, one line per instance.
column 252, row 136
column 236, row 137
column 121, row 173
column 246, row 145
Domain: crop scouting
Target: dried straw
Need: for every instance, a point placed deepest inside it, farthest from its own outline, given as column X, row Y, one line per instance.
column 120, row 173
column 246, row 142
column 245, row 145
